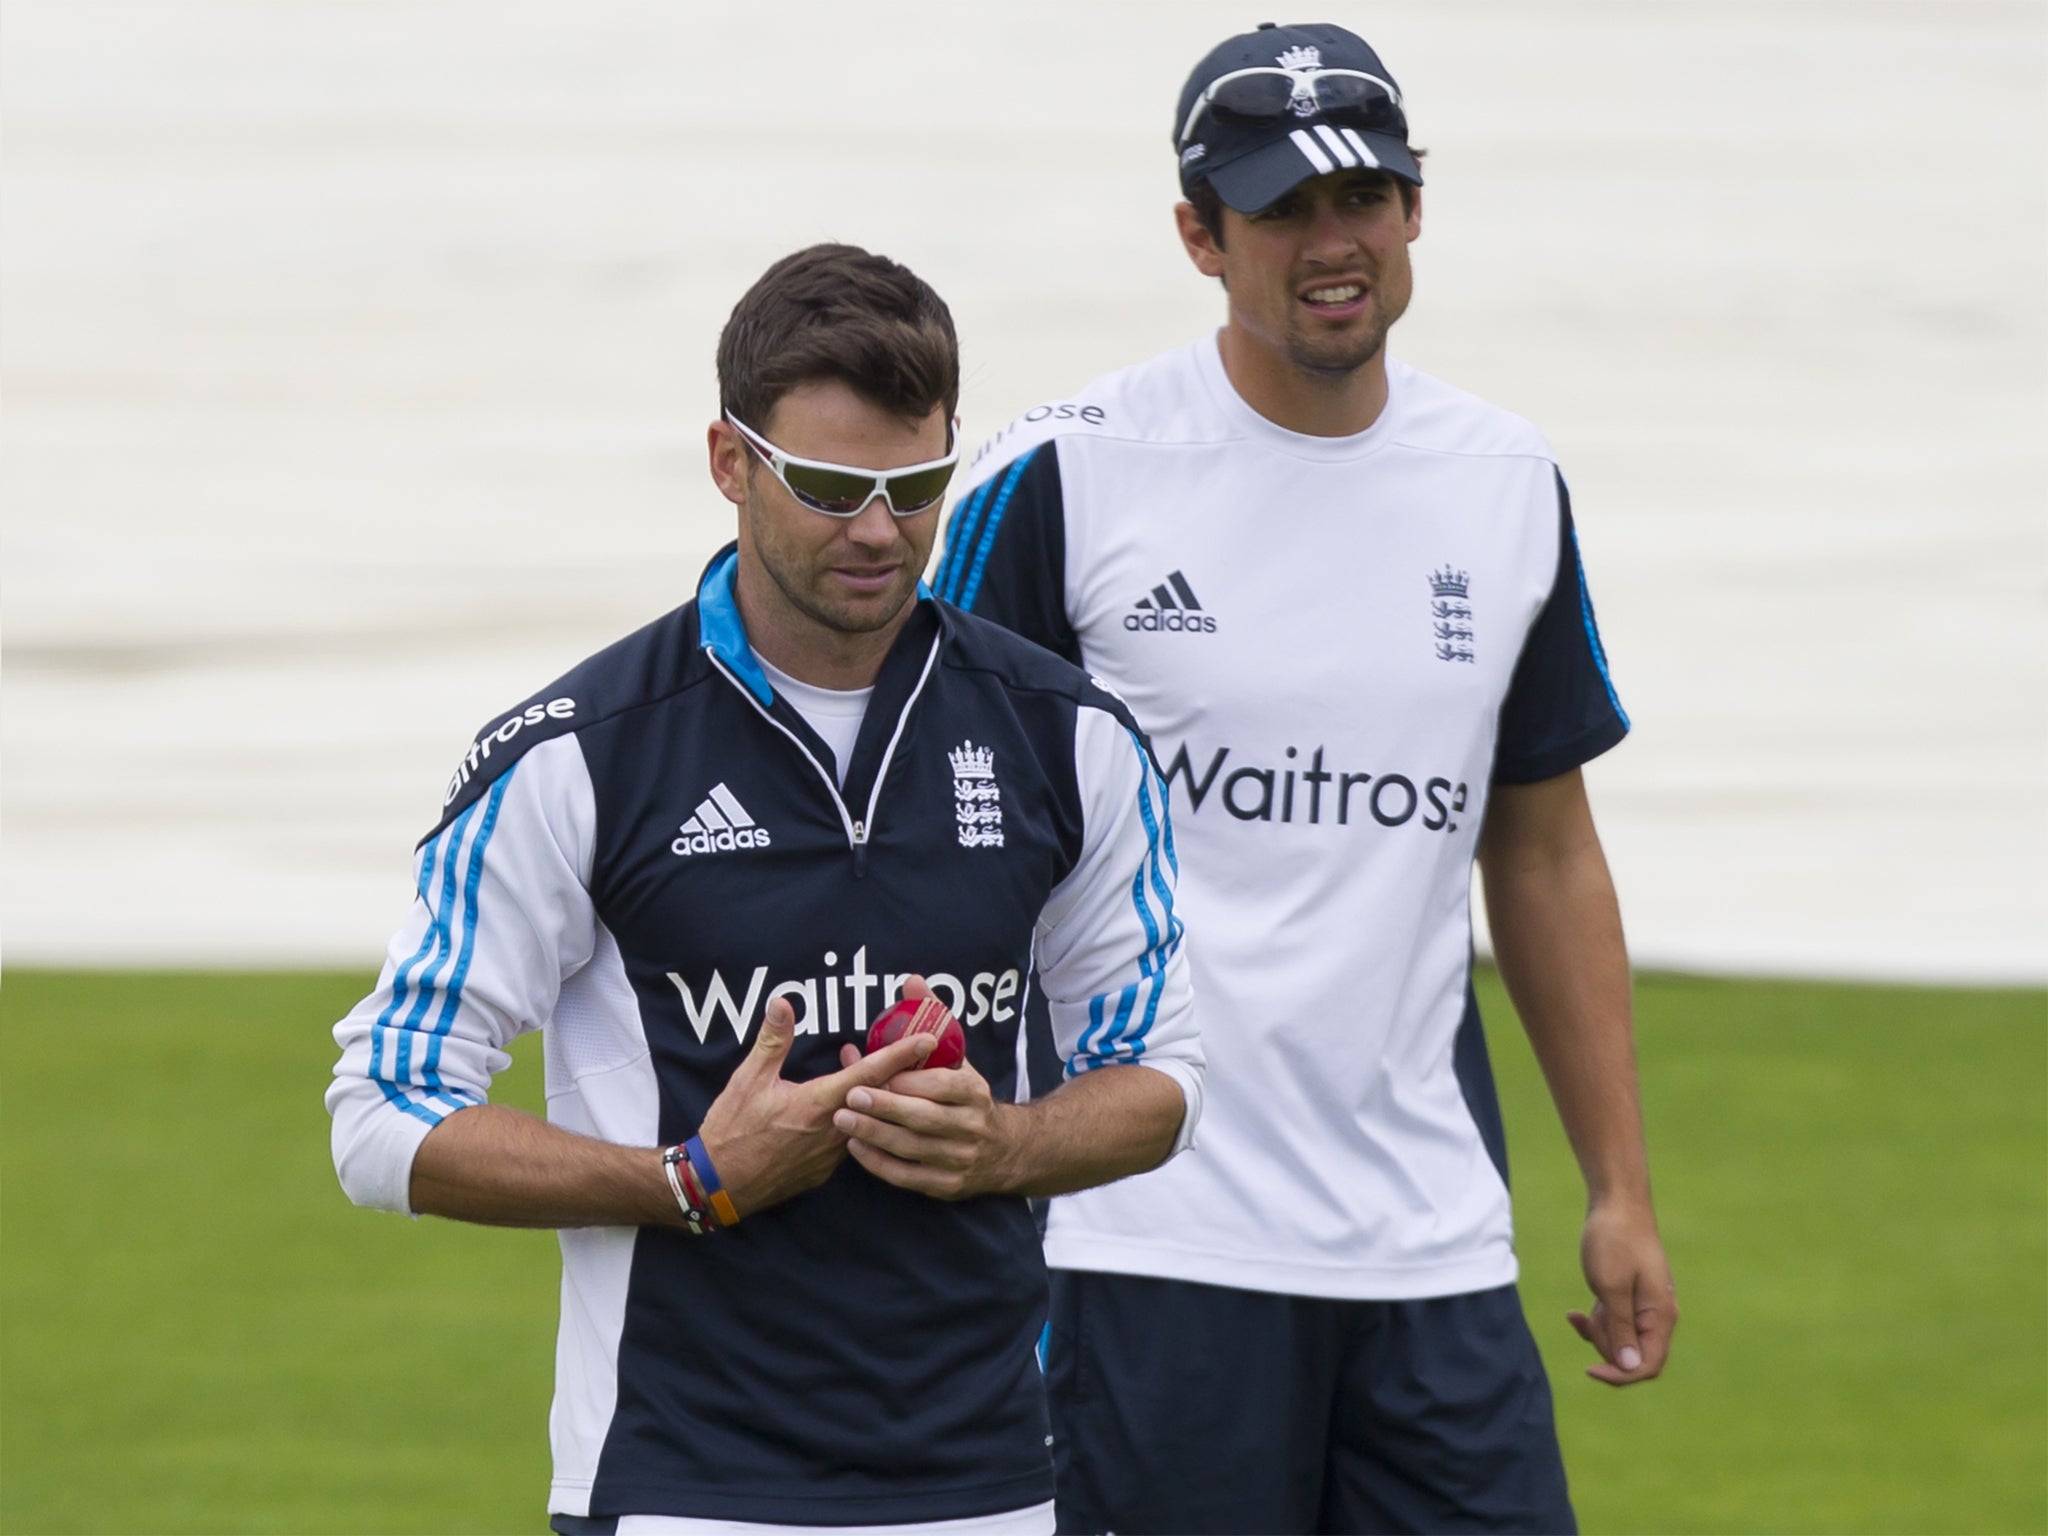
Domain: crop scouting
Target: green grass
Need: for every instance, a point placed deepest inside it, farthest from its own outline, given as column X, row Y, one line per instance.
column 200, row 1333
column 197, row 1333
column 1853, row 1188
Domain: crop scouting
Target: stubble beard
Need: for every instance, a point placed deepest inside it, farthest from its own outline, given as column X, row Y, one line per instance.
column 1336, row 357
column 1340, row 356
column 851, row 616
column 801, row 577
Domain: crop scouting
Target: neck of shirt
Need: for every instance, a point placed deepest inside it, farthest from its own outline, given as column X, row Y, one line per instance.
column 834, row 713
column 1300, row 445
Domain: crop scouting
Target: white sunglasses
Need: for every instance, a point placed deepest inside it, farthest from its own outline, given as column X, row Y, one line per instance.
column 1267, row 91
column 843, row 490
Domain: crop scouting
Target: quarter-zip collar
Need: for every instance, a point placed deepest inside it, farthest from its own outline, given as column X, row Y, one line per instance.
column 722, row 633
column 719, row 628
column 901, row 680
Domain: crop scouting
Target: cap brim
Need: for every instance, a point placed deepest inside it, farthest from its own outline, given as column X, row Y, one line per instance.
column 1267, row 174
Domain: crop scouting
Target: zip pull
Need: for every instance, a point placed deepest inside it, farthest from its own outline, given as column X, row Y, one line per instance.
column 860, row 850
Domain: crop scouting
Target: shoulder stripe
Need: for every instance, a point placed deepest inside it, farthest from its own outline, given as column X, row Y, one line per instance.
column 966, row 593
column 960, row 536
column 1593, row 632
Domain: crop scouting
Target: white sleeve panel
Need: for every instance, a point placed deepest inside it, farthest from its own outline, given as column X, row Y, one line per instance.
column 1109, row 948
column 502, row 914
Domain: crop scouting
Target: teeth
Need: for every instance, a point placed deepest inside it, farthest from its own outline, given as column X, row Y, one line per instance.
column 1343, row 294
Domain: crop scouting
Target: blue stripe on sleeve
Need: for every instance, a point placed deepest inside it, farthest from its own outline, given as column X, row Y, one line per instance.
column 438, row 946
column 988, row 533
column 399, row 983
column 400, row 1099
column 1157, row 830
column 423, row 960
column 1154, row 828
column 1093, row 1049
column 1120, row 1041
column 444, row 947
column 1165, row 816
column 430, row 1076
column 1100, row 1045
column 1084, row 1045
column 1593, row 632
column 1126, row 1002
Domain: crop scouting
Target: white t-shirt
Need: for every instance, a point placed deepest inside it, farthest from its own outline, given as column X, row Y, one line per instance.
column 1337, row 646
column 834, row 713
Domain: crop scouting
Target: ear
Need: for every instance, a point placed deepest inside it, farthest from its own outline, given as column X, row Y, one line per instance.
column 731, row 463
column 1196, row 240
column 1415, row 217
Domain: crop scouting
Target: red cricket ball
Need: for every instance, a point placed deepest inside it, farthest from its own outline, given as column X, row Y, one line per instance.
column 928, row 1016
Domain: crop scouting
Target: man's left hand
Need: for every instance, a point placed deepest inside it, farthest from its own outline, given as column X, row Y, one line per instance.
column 1635, row 1308
column 938, row 1131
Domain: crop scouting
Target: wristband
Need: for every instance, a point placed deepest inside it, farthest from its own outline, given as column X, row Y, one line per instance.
column 694, row 1188
column 721, row 1202
column 695, row 1216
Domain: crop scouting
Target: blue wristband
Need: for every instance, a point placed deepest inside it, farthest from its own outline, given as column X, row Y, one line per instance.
column 714, row 1191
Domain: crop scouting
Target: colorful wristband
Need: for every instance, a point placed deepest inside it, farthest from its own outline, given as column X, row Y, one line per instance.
column 721, row 1202
column 694, row 1188
column 695, row 1216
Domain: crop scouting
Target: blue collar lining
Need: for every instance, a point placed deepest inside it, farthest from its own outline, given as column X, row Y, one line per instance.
column 722, row 633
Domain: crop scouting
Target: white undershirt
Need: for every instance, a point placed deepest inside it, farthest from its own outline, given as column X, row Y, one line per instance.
column 834, row 714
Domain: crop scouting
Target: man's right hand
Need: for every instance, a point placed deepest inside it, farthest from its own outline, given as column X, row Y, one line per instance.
column 770, row 1138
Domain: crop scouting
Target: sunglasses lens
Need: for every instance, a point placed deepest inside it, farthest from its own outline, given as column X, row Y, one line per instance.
column 913, row 493
column 1361, row 102
column 1253, row 98
column 829, row 490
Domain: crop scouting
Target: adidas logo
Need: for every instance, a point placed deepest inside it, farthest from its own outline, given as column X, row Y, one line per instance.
column 1171, row 607
column 718, row 824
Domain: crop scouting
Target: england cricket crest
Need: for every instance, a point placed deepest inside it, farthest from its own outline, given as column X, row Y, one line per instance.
column 1450, row 611
column 1301, row 63
column 977, row 798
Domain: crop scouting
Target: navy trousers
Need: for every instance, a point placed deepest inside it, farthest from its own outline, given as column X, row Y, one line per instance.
column 1196, row 1408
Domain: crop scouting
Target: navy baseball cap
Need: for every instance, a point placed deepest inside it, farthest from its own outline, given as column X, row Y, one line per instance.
column 1269, row 109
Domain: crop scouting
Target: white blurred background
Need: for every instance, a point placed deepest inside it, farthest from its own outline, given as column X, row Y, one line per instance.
column 355, row 360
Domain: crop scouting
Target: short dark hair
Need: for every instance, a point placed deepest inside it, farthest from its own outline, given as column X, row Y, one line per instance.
column 839, row 312
column 1209, row 206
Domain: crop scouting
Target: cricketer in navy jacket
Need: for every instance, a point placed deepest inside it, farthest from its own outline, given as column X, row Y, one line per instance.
column 638, row 860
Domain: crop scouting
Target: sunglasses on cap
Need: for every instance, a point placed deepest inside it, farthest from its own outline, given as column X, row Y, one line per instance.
column 842, row 490
column 1262, row 94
